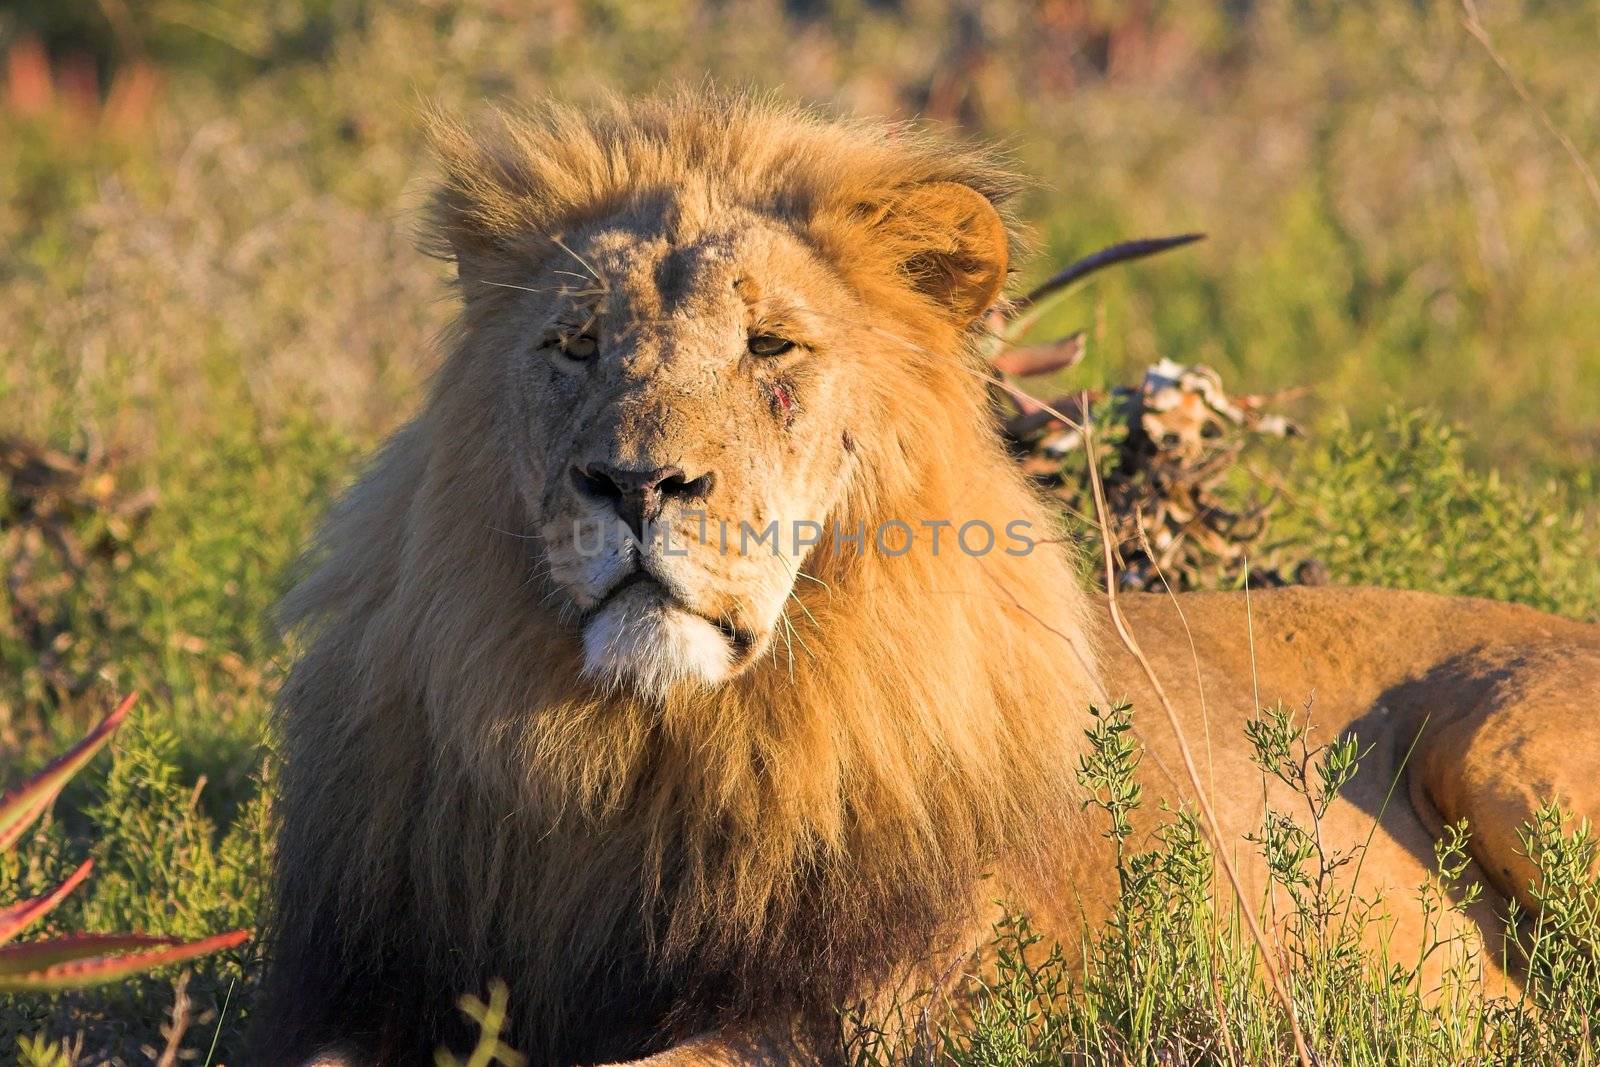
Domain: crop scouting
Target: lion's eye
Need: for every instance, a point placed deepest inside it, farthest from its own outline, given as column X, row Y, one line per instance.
column 574, row 346
column 769, row 344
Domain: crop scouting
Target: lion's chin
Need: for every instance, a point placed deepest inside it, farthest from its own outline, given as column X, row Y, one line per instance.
column 642, row 639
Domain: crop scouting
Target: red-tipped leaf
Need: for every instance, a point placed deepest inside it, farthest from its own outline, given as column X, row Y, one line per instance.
column 20, row 916
column 90, row 959
column 37, row 955
column 25, row 803
column 1030, row 360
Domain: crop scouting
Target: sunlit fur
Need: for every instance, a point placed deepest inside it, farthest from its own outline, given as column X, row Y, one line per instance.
column 460, row 800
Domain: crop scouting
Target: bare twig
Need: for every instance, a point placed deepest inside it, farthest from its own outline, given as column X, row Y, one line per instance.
column 1194, row 654
column 1212, row 825
column 217, row 1033
column 179, row 1019
column 1481, row 35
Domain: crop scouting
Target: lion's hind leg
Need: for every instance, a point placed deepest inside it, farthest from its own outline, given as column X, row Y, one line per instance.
column 1508, row 731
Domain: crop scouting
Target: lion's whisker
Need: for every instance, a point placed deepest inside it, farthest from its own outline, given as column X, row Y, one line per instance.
column 523, row 288
column 512, row 533
column 812, row 578
column 793, row 596
column 786, row 631
column 795, row 633
column 582, row 262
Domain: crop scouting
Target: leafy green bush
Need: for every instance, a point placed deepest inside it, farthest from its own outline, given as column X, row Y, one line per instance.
column 1401, row 506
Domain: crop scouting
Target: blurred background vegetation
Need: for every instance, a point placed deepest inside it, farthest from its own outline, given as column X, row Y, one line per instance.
column 1388, row 221
column 210, row 308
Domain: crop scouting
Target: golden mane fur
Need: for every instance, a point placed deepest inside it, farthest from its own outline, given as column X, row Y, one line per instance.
column 461, row 802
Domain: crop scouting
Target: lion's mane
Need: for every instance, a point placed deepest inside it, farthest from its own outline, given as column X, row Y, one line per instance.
column 457, row 803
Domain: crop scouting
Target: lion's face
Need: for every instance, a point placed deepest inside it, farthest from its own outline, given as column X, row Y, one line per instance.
column 680, row 408
column 693, row 351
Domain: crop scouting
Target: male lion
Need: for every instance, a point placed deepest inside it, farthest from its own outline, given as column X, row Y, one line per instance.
column 560, row 721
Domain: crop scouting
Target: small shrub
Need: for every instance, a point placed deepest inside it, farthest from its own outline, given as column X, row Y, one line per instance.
column 76, row 960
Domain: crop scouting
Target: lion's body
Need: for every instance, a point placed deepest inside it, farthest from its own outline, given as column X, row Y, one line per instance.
column 1470, row 707
column 663, row 794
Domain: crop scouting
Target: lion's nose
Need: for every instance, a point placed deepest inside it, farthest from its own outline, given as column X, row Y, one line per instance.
column 640, row 495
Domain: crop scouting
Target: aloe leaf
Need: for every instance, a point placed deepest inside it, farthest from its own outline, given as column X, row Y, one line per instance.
column 38, row 955
column 20, row 916
column 1026, row 311
column 90, row 959
column 1030, row 361
column 25, row 803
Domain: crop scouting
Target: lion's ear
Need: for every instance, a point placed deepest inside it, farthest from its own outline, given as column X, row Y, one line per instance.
column 481, row 204
column 952, row 245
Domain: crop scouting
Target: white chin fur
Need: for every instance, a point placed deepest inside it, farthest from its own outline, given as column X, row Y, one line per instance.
column 641, row 639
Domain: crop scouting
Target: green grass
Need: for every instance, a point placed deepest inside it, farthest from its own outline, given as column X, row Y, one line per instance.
column 224, row 295
column 1171, row 978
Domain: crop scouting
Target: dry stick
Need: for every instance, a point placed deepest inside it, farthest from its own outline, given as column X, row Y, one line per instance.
column 1089, row 668
column 179, row 1019
column 1476, row 29
column 1194, row 651
column 1127, row 638
column 1102, row 512
column 1205, row 722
